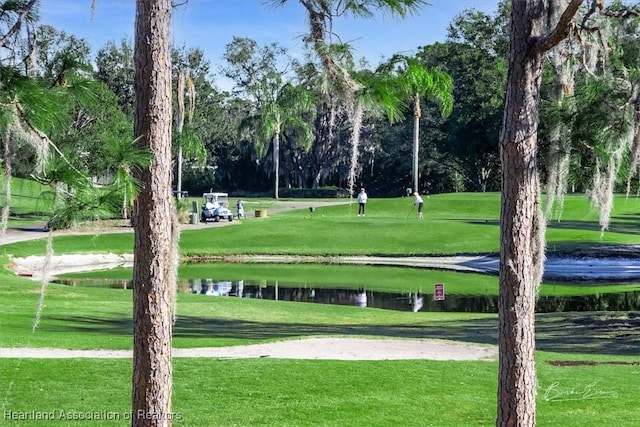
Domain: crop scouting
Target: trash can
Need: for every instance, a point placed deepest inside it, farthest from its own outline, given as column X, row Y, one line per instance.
column 194, row 217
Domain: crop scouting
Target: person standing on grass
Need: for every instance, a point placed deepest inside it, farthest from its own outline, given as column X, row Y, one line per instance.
column 362, row 201
column 240, row 208
column 418, row 201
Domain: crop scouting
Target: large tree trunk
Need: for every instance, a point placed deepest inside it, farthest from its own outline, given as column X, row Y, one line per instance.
column 522, row 227
column 153, row 269
column 520, row 245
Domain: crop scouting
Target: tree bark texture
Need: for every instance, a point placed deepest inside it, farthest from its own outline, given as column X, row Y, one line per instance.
column 153, row 215
column 536, row 26
column 520, row 245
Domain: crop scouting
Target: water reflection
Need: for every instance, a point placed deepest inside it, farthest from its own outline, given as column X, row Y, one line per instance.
column 209, row 287
column 411, row 300
column 276, row 291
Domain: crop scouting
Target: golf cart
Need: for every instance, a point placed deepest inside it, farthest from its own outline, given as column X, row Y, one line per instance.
column 215, row 207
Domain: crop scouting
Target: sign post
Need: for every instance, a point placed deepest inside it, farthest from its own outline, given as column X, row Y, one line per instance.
column 438, row 292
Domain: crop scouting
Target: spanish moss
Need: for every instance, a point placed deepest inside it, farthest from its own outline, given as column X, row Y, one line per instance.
column 44, row 281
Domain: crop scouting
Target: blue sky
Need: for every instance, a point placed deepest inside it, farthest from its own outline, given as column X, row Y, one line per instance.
column 211, row 24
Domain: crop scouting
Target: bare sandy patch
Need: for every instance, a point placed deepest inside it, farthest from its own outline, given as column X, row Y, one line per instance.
column 34, row 266
column 325, row 348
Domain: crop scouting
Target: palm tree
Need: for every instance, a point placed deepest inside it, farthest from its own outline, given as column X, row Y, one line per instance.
column 128, row 161
column 16, row 89
column 32, row 106
column 337, row 78
column 417, row 82
column 15, row 14
column 286, row 111
column 180, row 113
column 187, row 141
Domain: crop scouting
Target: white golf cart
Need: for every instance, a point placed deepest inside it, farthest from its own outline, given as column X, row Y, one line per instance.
column 215, row 207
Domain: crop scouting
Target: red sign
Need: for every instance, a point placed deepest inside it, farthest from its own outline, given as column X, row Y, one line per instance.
column 438, row 292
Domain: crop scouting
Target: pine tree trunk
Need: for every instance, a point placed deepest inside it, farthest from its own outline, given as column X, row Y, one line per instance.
column 535, row 28
column 153, row 213
column 520, row 248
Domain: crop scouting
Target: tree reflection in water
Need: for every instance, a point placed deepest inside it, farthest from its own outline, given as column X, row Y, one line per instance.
column 411, row 300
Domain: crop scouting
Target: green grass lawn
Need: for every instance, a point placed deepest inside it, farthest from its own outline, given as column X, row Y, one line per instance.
column 454, row 223
column 322, row 393
column 598, row 387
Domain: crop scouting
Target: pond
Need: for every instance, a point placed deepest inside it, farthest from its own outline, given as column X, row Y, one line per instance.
column 409, row 300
